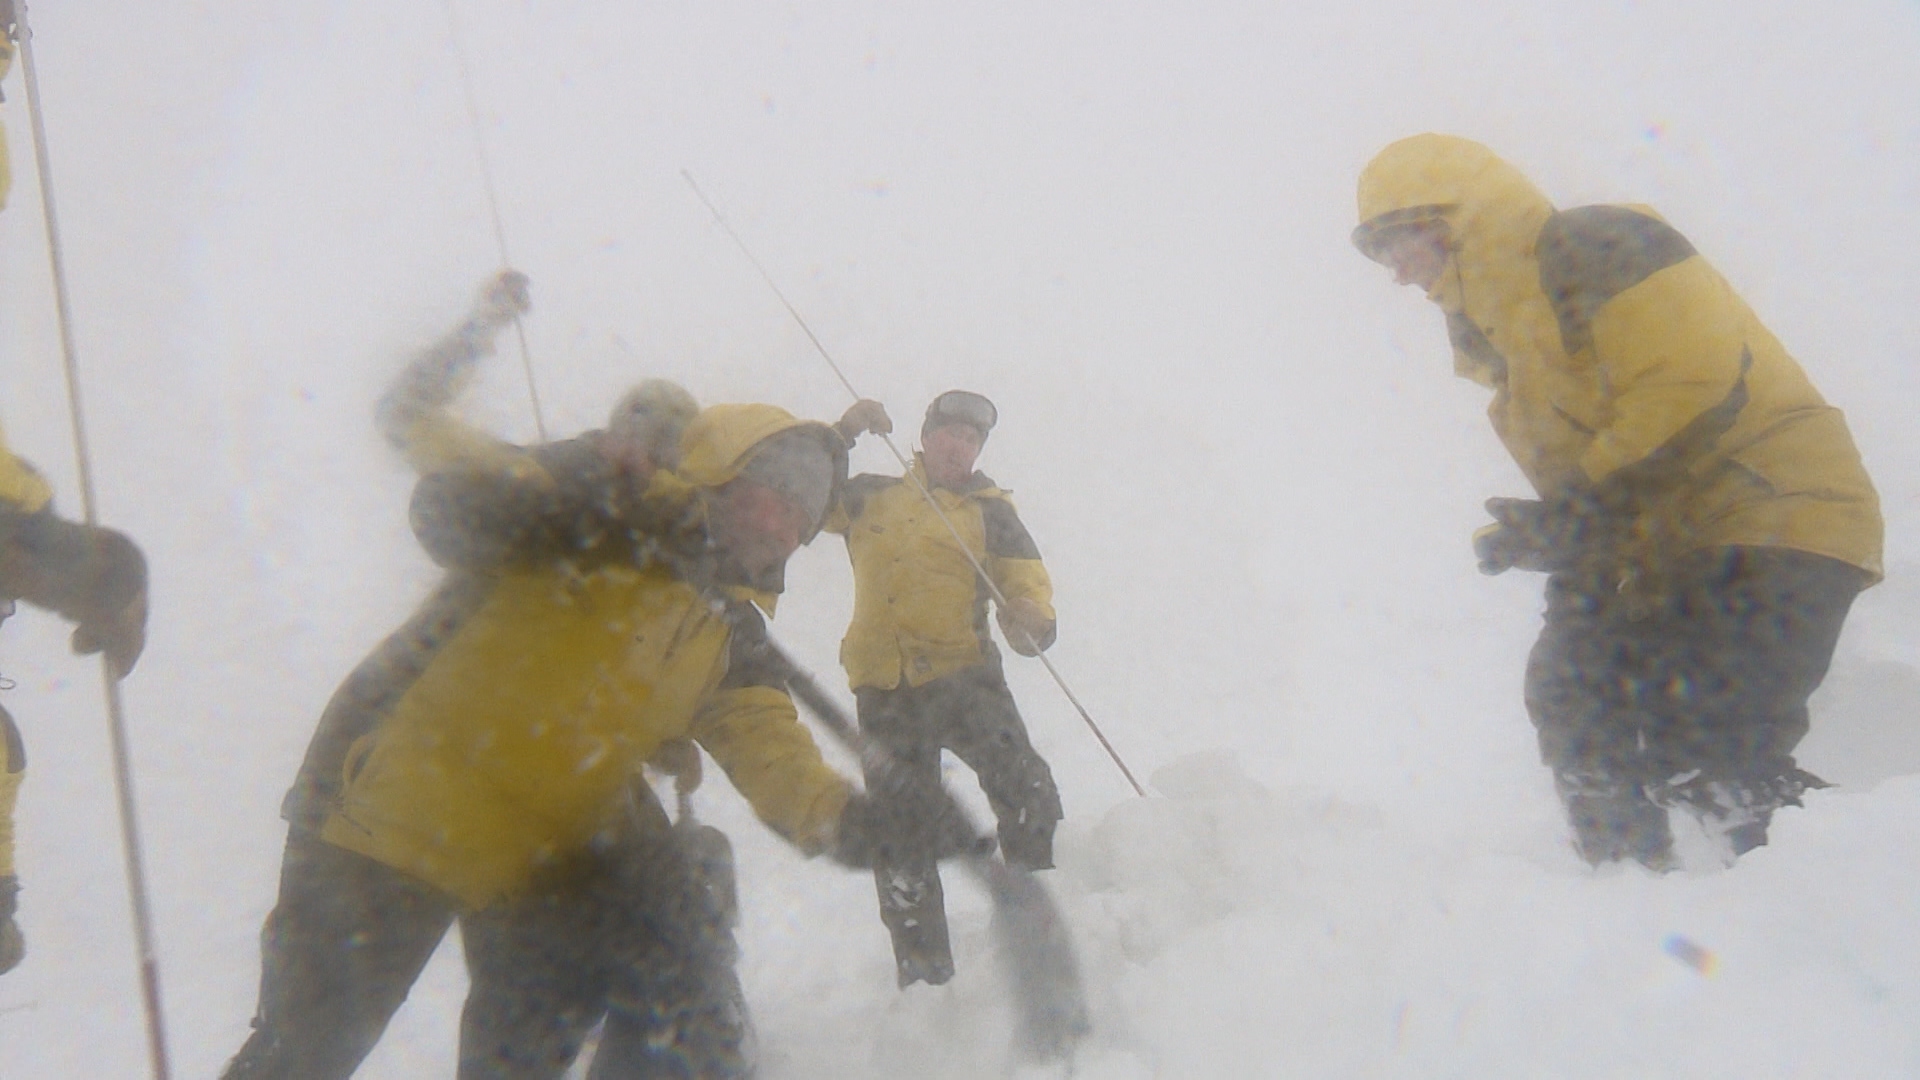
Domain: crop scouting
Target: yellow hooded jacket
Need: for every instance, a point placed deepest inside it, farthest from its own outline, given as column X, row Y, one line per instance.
column 1611, row 345
column 919, row 609
column 511, row 720
column 22, row 491
column 80, row 572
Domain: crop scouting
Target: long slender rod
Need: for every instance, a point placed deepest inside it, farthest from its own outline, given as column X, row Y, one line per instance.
column 130, row 845
column 493, row 203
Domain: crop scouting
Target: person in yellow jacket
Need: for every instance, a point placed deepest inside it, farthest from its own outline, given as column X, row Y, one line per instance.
column 925, row 673
column 1702, row 511
column 484, row 763
column 93, row 576
column 96, row 577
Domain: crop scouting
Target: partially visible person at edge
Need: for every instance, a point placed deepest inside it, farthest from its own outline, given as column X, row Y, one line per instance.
column 95, row 577
column 484, row 763
column 925, row 673
column 1702, row 513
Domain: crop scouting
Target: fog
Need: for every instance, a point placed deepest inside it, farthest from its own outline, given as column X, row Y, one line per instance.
column 1239, row 446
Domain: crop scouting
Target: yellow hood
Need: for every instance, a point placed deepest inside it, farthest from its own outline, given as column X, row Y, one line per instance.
column 718, row 443
column 1494, row 215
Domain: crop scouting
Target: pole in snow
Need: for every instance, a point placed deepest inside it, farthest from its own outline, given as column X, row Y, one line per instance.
column 116, row 714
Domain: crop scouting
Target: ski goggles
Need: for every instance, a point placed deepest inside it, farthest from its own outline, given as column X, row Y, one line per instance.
column 962, row 407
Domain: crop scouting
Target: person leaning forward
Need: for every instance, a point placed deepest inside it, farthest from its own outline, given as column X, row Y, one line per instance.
column 925, row 674
column 483, row 764
column 1702, row 512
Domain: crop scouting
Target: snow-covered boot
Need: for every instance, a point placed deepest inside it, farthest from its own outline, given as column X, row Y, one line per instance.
column 913, row 906
column 1740, row 810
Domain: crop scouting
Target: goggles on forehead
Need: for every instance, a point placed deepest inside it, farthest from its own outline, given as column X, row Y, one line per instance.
column 962, row 407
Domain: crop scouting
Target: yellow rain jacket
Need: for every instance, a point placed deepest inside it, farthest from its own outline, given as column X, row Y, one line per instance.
column 528, row 701
column 1611, row 345
column 77, row 571
column 919, row 609
column 21, row 491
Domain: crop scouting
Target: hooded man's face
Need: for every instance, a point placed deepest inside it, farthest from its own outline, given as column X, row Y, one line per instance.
column 756, row 526
column 1417, row 253
column 776, row 503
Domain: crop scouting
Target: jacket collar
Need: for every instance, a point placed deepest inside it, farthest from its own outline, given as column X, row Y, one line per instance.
column 972, row 485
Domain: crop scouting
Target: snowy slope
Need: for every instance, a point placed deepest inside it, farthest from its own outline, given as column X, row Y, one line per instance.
column 1238, row 445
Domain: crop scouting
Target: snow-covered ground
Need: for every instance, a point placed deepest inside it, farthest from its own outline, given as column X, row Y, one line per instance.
column 1238, row 444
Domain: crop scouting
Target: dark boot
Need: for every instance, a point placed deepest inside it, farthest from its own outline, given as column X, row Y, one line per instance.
column 1614, row 820
column 914, row 908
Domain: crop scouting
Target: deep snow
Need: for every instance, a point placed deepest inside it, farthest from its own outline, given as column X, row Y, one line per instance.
column 1238, row 445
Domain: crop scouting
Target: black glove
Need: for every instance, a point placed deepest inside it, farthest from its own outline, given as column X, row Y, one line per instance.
column 91, row 575
column 1547, row 536
column 873, row 832
column 503, row 299
column 115, row 622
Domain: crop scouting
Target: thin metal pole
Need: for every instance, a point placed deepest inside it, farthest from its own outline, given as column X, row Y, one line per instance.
column 906, row 467
column 493, row 203
column 116, row 714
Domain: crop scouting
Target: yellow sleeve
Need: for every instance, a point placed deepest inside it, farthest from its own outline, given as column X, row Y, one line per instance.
column 416, row 412
column 21, row 485
column 1013, row 559
column 756, row 736
column 438, row 442
column 1018, row 578
column 1670, row 350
